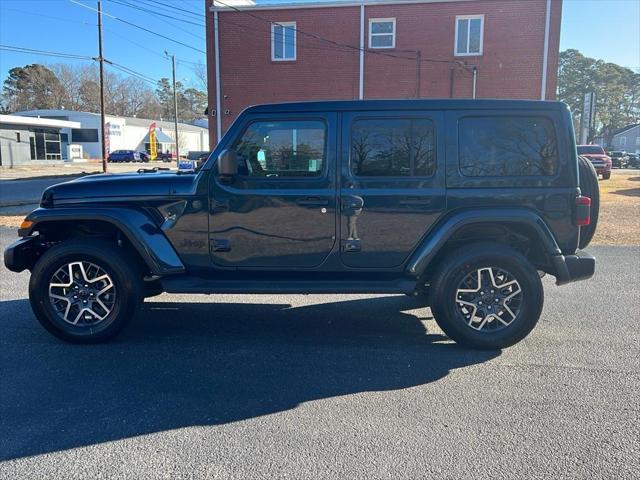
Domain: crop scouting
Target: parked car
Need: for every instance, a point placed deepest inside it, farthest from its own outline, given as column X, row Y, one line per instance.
column 165, row 157
column 124, row 156
column 633, row 160
column 462, row 204
column 597, row 156
column 619, row 159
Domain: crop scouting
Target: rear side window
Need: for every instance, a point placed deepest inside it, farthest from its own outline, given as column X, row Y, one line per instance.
column 507, row 146
column 283, row 149
column 393, row 147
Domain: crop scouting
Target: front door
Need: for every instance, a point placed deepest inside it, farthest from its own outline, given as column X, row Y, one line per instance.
column 279, row 212
column 392, row 185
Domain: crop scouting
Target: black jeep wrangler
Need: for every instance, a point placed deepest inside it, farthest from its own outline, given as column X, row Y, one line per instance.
column 463, row 204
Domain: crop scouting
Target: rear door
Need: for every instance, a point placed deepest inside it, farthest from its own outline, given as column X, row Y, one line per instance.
column 392, row 185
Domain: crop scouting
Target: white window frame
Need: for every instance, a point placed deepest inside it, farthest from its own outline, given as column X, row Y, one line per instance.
column 455, row 40
column 273, row 42
column 393, row 33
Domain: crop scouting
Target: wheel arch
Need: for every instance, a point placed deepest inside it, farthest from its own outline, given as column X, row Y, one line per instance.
column 136, row 227
column 519, row 228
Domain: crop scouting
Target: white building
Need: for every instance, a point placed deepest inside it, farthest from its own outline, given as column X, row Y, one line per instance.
column 125, row 133
column 25, row 140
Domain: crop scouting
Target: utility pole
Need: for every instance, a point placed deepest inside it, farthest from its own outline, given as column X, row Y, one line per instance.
column 175, row 107
column 102, row 119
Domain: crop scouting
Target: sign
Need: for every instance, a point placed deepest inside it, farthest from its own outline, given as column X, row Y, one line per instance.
column 107, row 138
column 153, row 144
column 588, row 118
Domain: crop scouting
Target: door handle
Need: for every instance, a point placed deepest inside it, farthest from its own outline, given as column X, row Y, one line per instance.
column 312, row 202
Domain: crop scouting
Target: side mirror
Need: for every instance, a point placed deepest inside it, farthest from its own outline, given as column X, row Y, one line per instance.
column 227, row 163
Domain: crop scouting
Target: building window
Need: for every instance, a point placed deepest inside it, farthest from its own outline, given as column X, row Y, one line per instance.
column 84, row 135
column 382, row 33
column 507, row 146
column 622, row 141
column 282, row 149
column 393, row 147
column 638, row 141
column 18, row 137
column 283, row 41
column 469, row 34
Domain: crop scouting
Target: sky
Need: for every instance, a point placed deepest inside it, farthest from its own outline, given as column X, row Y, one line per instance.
column 604, row 29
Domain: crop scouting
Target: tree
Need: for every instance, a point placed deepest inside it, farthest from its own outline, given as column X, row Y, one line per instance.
column 617, row 91
column 32, row 87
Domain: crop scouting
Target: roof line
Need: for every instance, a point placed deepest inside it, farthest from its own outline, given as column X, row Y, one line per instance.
column 626, row 129
column 323, row 4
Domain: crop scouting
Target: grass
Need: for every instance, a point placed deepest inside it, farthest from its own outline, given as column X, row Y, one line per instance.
column 619, row 222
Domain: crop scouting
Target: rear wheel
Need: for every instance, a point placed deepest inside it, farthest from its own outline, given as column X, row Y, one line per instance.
column 486, row 296
column 589, row 187
column 85, row 292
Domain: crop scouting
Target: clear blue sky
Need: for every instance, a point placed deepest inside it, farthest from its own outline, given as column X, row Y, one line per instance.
column 606, row 29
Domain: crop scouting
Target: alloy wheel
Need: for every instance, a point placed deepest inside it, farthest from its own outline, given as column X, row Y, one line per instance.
column 82, row 293
column 488, row 299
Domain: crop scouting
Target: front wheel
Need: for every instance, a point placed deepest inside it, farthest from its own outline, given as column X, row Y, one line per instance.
column 486, row 296
column 85, row 292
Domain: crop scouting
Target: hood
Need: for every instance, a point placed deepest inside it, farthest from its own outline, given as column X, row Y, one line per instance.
column 595, row 155
column 128, row 186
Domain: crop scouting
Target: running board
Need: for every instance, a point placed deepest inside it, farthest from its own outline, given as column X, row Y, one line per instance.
column 191, row 284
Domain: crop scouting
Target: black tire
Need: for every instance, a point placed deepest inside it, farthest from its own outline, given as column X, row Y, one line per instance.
column 606, row 175
column 117, row 264
column 465, row 263
column 589, row 188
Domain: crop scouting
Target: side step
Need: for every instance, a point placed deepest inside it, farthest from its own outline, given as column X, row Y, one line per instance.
column 192, row 284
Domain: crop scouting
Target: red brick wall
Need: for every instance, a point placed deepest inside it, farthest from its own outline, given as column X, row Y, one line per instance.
column 510, row 67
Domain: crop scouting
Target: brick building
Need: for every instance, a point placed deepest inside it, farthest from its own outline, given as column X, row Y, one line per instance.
column 262, row 53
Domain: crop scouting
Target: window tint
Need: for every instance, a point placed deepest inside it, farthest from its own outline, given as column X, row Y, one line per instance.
column 283, row 41
column 396, row 147
column 507, row 146
column 84, row 134
column 282, row 149
column 469, row 35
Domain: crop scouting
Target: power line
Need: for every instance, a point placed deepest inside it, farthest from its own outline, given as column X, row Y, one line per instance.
column 60, row 19
column 11, row 48
column 132, row 71
column 172, row 8
column 162, row 16
column 140, row 27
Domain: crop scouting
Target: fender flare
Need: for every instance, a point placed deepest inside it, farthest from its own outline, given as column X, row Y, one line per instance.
column 438, row 237
column 146, row 237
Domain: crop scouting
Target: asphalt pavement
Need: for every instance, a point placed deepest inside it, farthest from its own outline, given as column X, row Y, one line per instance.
column 349, row 386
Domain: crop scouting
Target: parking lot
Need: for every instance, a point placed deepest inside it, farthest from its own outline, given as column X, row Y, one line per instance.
column 327, row 387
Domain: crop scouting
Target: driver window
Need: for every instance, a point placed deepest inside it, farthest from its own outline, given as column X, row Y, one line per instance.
column 282, row 149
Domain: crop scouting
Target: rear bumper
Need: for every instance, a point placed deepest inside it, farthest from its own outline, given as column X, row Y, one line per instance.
column 20, row 254
column 572, row 268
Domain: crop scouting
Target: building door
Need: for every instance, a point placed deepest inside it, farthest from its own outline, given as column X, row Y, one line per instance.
column 280, row 210
column 392, row 185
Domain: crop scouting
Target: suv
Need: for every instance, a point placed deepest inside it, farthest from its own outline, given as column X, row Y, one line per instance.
column 619, row 159
column 463, row 204
column 600, row 160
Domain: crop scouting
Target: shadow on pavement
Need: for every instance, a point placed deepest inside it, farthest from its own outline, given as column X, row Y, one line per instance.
column 186, row 364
